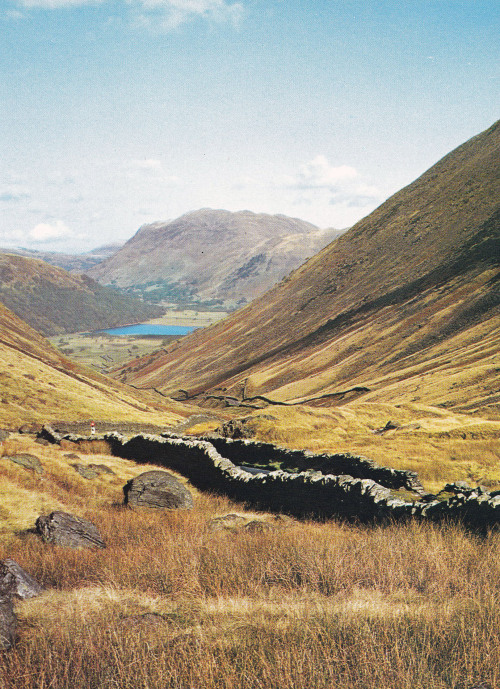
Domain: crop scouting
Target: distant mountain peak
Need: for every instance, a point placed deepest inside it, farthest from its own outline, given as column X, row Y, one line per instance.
column 203, row 256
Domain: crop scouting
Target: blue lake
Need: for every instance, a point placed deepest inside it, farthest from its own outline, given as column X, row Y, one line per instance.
column 148, row 329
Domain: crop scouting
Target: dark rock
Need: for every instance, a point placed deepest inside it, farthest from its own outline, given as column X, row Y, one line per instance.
column 91, row 471
column 85, row 471
column 61, row 528
column 3, row 435
column 457, row 487
column 48, row 433
column 71, row 455
column 157, row 489
column 16, row 582
column 259, row 526
column 101, row 469
column 42, row 441
column 27, row 461
column 235, row 428
column 389, row 426
column 8, row 624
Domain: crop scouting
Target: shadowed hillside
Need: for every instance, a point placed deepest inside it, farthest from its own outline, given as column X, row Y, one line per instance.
column 212, row 256
column 53, row 301
column 404, row 306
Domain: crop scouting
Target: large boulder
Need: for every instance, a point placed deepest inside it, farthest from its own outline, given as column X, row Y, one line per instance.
column 14, row 581
column 159, row 490
column 61, row 528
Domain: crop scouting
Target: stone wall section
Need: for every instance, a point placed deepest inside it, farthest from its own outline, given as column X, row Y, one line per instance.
column 304, row 494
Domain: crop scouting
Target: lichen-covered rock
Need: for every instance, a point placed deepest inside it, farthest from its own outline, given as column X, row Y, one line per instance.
column 15, row 581
column 8, row 624
column 227, row 522
column 26, row 460
column 62, row 528
column 85, row 471
column 158, row 490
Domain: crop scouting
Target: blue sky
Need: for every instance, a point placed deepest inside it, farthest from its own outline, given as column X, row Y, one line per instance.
column 121, row 112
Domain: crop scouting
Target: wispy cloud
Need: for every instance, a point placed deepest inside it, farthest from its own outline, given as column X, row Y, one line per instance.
column 163, row 15
column 152, row 170
column 319, row 174
column 170, row 14
column 56, row 4
column 11, row 193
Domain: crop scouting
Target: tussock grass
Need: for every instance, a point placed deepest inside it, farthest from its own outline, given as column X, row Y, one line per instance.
column 305, row 604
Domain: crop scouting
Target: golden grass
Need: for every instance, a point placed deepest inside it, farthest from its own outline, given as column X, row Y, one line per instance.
column 320, row 605
column 40, row 385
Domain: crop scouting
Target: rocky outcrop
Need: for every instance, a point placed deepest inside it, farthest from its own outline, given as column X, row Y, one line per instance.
column 157, row 490
column 61, row 528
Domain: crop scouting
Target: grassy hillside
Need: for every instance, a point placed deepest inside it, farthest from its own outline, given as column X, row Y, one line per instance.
column 38, row 384
column 405, row 307
column 53, row 301
column 172, row 602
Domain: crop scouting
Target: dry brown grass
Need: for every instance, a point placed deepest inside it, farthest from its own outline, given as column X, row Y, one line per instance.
column 319, row 605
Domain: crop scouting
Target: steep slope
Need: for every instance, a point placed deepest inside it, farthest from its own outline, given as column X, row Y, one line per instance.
column 73, row 263
column 53, row 301
column 212, row 255
column 37, row 383
column 405, row 305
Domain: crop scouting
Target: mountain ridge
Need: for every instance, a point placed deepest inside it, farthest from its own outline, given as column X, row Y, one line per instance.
column 212, row 256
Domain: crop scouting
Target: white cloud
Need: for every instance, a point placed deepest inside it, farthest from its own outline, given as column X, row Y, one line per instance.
column 162, row 15
column 319, row 181
column 14, row 15
column 319, row 174
column 46, row 232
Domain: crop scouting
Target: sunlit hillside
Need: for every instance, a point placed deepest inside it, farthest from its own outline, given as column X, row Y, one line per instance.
column 38, row 384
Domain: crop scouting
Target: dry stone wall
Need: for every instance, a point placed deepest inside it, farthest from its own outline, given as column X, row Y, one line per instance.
column 303, row 494
column 244, row 451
